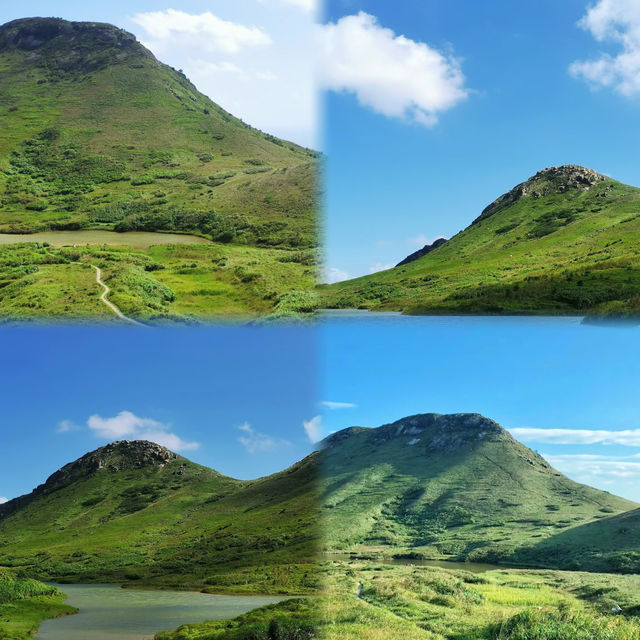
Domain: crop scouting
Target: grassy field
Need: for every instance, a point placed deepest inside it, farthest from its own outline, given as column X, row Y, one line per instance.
column 173, row 525
column 97, row 134
column 164, row 283
column 421, row 603
column 25, row 603
column 562, row 251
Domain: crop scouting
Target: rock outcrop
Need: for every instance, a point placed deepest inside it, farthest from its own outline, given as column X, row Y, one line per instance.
column 428, row 248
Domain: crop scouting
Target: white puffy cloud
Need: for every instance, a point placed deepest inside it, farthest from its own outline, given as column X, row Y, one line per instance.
column 204, row 31
column 254, row 441
column 127, row 425
column 393, row 75
column 333, row 274
column 65, row 426
column 309, row 6
column 616, row 21
column 627, row 437
column 598, row 470
column 3, row 500
column 313, row 428
column 338, row 405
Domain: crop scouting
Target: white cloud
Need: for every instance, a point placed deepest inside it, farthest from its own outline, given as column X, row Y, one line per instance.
column 3, row 500
column 65, row 426
column 379, row 266
column 333, row 274
column 418, row 241
column 617, row 21
column 254, row 441
column 338, row 405
column 309, row 6
column 204, row 31
column 128, row 425
column 393, row 75
column 628, row 437
column 596, row 470
column 313, row 428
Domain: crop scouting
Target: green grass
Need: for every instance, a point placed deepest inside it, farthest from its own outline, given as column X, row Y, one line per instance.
column 573, row 252
column 422, row 603
column 460, row 488
column 178, row 525
column 164, row 283
column 25, row 603
column 97, row 134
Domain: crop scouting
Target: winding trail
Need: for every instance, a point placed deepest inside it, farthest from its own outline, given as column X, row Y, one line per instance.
column 110, row 304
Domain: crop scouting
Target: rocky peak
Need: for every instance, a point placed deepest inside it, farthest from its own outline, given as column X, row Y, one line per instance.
column 116, row 457
column 549, row 181
column 428, row 248
column 435, row 431
column 70, row 46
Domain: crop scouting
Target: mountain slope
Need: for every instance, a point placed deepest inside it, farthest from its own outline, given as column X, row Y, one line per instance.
column 98, row 134
column 136, row 511
column 452, row 486
column 564, row 241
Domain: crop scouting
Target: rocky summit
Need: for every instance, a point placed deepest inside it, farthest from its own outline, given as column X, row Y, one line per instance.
column 546, row 182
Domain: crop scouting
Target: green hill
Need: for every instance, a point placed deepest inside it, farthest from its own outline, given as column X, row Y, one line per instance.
column 450, row 486
column 565, row 241
column 98, row 134
column 136, row 512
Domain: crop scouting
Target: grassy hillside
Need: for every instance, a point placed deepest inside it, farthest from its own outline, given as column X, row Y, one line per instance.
column 135, row 512
column 456, row 487
column 25, row 603
column 565, row 241
column 95, row 133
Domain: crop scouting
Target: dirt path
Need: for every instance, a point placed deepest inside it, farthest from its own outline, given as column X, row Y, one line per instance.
column 109, row 304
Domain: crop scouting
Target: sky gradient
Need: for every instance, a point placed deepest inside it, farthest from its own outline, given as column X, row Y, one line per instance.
column 397, row 182
column 64, row 391
column 548, row 374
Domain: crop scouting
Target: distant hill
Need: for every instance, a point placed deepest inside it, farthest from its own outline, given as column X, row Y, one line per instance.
column 98, row 134
column 564, row 241
column 451, row 486
column 135, row 511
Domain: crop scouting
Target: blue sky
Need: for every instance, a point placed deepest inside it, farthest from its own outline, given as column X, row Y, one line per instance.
column 253, row 57
column 558, row 380
column 64, row 391
column 516, row 105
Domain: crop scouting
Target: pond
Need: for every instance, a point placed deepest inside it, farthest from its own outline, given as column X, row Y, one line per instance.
column 134, row 239
column 108, row 612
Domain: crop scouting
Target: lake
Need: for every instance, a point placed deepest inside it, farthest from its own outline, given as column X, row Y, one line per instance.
column 109, row 612
column 134, row 239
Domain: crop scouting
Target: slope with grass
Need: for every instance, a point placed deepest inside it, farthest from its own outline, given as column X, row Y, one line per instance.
column 98, row 134
column 450, row 486
column 422, row 603
column 25, row 603
column 135, row 512
column 565, row 241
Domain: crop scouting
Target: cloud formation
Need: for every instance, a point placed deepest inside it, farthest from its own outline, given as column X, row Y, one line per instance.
column 313, row 429
column 333, row 274
column 64, row 426
column 309, row 6
column 338, row 405
column 254, row 441
column 3, row 500
column 627, row 437
column 127, row 425
column 393, row 75
column 618, row 22
column 204, row 31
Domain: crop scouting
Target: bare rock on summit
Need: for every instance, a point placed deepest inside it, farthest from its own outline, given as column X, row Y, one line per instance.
column 546, row 182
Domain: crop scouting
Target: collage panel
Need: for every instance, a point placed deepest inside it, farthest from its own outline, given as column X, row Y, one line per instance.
column 130, row 468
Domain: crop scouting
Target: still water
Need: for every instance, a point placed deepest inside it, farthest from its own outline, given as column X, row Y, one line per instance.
column 108, row 612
